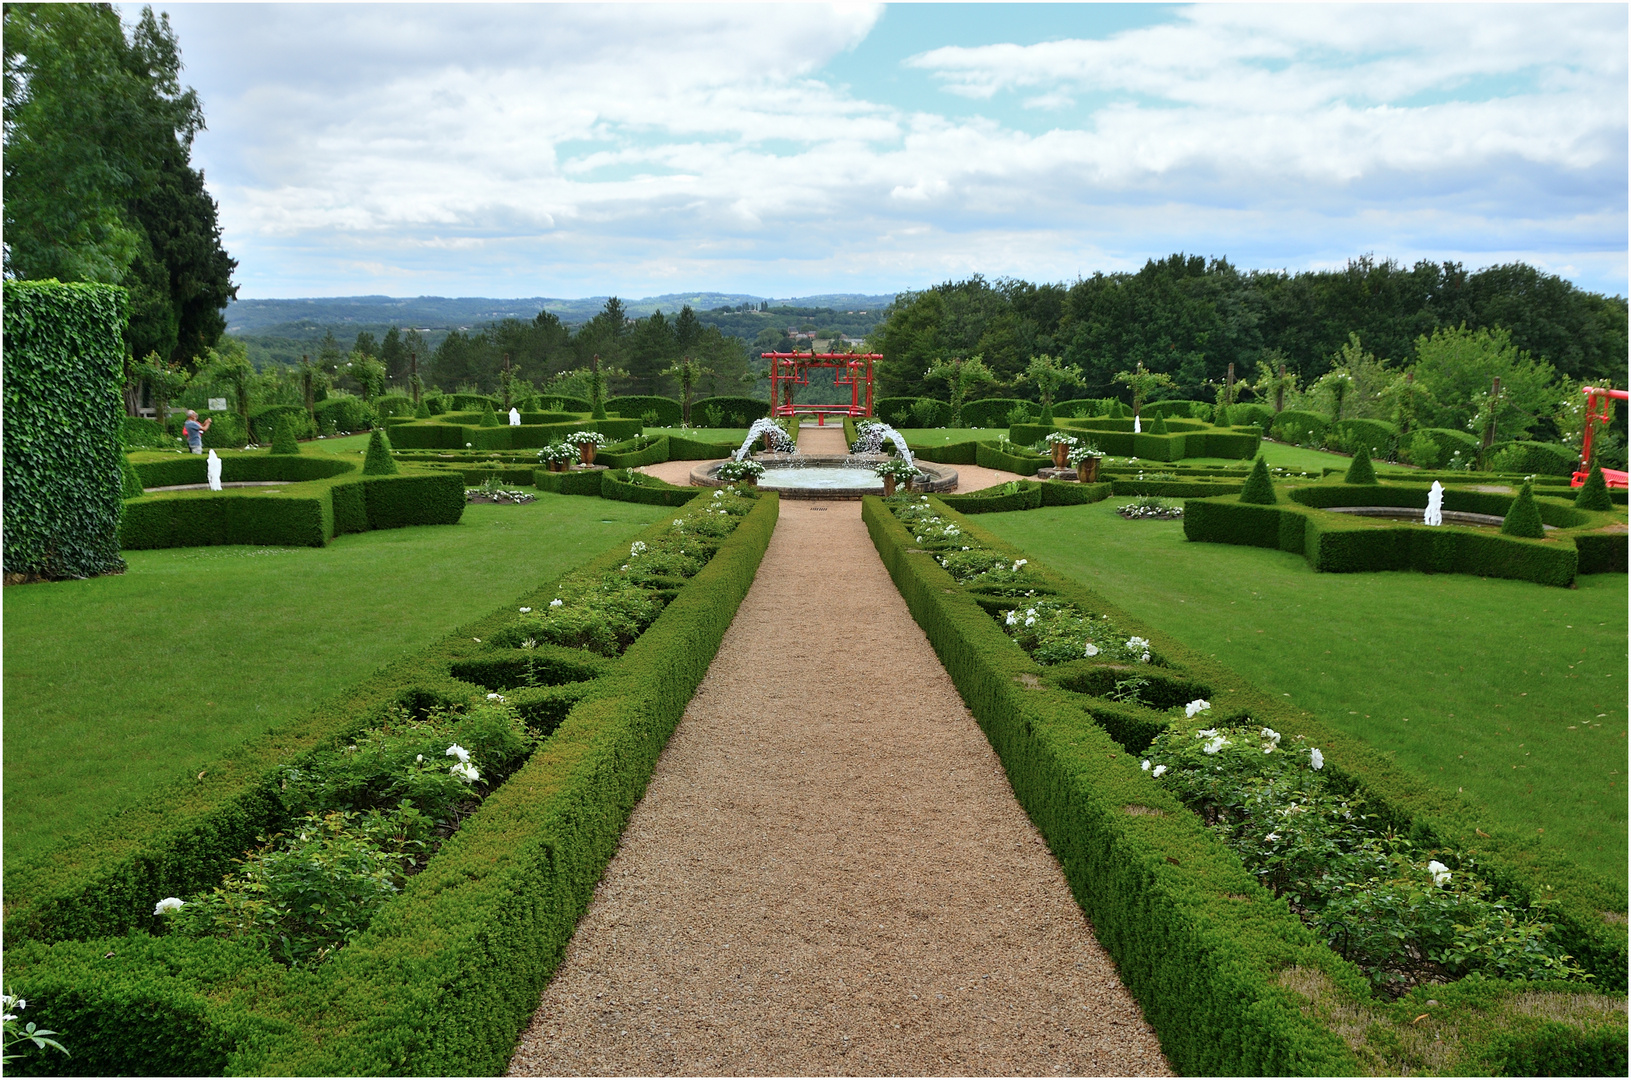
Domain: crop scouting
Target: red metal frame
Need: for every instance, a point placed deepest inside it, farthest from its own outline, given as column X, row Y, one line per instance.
column 790, row 369
column 1597, row 398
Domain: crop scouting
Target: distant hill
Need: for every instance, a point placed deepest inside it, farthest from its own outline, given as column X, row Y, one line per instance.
column 288, row 317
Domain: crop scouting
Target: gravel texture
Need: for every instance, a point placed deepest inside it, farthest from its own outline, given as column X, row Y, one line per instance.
column 829, row 872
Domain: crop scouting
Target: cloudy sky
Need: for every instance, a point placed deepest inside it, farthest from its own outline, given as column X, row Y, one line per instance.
column 781, row 150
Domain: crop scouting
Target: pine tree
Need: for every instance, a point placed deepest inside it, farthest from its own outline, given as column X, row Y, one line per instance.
column 1361, row 471
column 1259, row 488
column 1523, row 518
column 1593, row 494
column 379, row 461
column 284, row 440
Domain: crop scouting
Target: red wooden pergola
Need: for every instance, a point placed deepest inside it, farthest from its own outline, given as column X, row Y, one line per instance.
column 790, row 369
column 1597, row 414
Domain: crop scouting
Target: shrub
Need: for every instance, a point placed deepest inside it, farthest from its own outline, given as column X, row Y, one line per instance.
column 646, row 450
column 131, row 483
column 1008, row 457
column 572, row 482
column 1260, row 416
column 284, row 441
column 1301, row 428
column 1425, row 451
column 1361, row 471
column 390, row 405
column 1001, row 498
column 740, row 411
column 1593, row 494
column 64, row 415
column 139, row 432
column 422, row 410
column 1523, row 519
column 489, row 418
column 667, row 410
column 1259, row 489
column 990, row 412
column 625, row 486
column 344, row 413
column 434, row 404
column 265, row 422
column 1533, row 458
column 378, row 462
column 1220, row 415
column 1160, row 426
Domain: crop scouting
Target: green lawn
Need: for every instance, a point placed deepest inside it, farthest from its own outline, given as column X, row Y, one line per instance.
column 1514, row 692
column 117, row 684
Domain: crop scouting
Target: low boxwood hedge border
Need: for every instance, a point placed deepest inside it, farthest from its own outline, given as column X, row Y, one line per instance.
column 325, row 498
column 615, row 484
column 1220, row 967
column 447, row 433
column 1030, row 495
column 645, row 450
column 1339, row 543
column 444, row 979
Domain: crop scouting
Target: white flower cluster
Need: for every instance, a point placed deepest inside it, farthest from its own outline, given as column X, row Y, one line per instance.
column 1440, row 872
column 9, row 1002
column 1271, row 740
column 1214, row 741
column 1198, row 705
column 1139, row 647
column 525, row 610
column 462, row 768
column 557, row 602
column 165, row 906
column 1158, row 770
column 496, row 697
column 638, row 548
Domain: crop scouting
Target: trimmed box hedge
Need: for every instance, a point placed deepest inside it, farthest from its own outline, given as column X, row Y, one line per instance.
column 64, row 426
column 1340, row 543
column 1031, row 495
column 993, row 412
column 683, row 448
column 957, row 453
column 885, row 409
column 635, row 407
column 749, row 409
column 447, row 433
column 1232, row 982
column 447, row 975
column 263, row 423
column 644, row 450
column 989, row 456
column 650, row 491
column 570, row 482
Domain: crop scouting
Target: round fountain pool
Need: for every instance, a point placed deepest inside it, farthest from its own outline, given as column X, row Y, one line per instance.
column 802, row 476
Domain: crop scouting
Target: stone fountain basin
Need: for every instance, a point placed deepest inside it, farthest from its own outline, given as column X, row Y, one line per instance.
column 827, row 476
column 1406, row 513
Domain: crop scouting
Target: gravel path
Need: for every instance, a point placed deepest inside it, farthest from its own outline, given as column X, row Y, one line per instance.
column 829, row 872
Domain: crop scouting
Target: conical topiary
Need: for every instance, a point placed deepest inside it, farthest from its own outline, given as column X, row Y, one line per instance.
column 379, row 461
column 1160, row 425
column 488, row 417
column 284, row 440
column 1361, row 471
column 1116, row 412
column 1523, row 517
column 1047, row 415
column 1220, row 416
column 423, row 410
column 1593, row 494
column 131, row 484
column 1259, row 488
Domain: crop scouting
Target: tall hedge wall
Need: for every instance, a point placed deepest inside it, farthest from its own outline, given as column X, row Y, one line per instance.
column 635, row 407
column 749, row 409
column 64, row 417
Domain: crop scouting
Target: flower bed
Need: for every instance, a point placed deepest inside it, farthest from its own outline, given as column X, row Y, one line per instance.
column 446, row 972
column 1230, row 978
column 1149, row 507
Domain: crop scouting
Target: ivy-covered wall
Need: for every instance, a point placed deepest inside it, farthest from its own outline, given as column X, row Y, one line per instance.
column 64, row 413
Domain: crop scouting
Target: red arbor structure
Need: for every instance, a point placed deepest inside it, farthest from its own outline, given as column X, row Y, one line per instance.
column 1597, row 415
column 789, row 370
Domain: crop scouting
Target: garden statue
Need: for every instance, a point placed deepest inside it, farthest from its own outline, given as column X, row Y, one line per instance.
column 1137, row 429
column 1434, row 514
column 515, row 417
column 212, row 469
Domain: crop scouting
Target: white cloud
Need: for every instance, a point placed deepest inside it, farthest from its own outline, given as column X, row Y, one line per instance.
column 592, row 149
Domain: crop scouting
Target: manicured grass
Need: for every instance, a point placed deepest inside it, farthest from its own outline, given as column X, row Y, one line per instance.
column 940, row 436
column 117, row 684
column 1513, row 692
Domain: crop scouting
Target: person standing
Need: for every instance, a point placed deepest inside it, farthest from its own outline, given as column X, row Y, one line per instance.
column 194, row 431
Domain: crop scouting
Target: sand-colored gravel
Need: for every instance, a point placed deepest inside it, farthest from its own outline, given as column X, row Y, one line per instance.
column 829, row 873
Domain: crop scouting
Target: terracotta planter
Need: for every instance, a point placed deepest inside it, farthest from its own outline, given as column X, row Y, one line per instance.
column 557, row 466
column 586, row 451
column 1061, row 455
column 888, row 486
column 1087, row 470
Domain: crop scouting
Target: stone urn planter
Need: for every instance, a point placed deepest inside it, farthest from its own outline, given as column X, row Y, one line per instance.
column 586, row 451
column 888, row 486
column 1087, row 470
column 557, row 466
column 1061, row 455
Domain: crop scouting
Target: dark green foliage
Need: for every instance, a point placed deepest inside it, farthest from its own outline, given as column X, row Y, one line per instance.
column 130, row 482
column 634, row 407
column 64, row 415
column 989, row 456
column 378, row 462
column 1301, row 428
column 572, row 482
column 1361, row 471
column 140, row 432
column 746, row 408
column 1027, row 495
column 285, row 442
column 1376, row 436
column 445, row 435
column 1601, row 553
column 473, row 402
column 1160, row 425
column 434, row 404
column 1523, row 519
column 1533, row 458
column 681, row 448
column 1593, row 494
column 1259, row 489
column 936, row 414
column 344, row 414
column 991, row 412
column 488, row 417
column 264, row 423
column 646, row 450
column 446, row 975
column 1260, row 416
column 1066, row 493
column 422, row 411
column 391, row 405
column 619, row 484
column 1220, row 415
